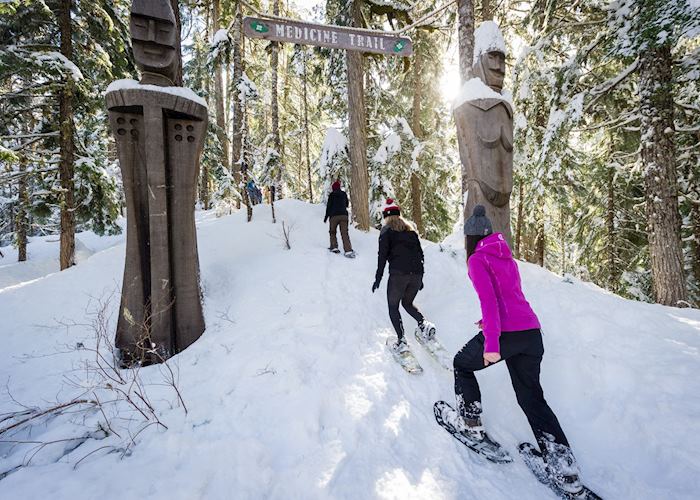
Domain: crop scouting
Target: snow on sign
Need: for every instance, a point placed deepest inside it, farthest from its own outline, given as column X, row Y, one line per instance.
column 325, row 35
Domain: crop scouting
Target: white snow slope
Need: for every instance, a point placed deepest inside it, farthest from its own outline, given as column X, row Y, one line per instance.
column 291, row 392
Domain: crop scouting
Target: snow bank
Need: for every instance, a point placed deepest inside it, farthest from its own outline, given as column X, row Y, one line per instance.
column 178, row 91
column 474, row 89
column 42, row 255
column 292, row 394
column 488, row 38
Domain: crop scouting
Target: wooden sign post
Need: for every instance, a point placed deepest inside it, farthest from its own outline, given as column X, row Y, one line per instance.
column 326, row 35
column 353, row 40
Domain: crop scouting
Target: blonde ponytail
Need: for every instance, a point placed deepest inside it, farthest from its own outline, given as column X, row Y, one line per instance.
column 398, row 223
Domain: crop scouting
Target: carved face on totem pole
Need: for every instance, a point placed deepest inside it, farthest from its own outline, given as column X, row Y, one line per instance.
column 154, row 39
column 491, row 69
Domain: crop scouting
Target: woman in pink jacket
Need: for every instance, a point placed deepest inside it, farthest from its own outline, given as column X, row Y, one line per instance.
column 510, row 332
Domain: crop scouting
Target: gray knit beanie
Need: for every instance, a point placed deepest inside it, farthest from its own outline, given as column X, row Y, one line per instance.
column 478, row 224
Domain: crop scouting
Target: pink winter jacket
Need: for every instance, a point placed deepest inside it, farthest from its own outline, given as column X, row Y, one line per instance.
column 496, row 280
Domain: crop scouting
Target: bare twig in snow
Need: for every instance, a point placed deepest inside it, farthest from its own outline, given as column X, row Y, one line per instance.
column 266, row 370
column 225, row 316
column 93, row 451
column 286, row 233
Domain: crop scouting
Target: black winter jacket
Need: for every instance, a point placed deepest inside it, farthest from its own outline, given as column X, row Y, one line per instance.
column 403, row 251
column 337, row 204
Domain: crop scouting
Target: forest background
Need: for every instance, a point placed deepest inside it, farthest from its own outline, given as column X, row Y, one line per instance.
column 607, row 129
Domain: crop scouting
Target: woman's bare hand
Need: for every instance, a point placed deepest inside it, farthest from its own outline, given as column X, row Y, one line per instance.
column 491, row 357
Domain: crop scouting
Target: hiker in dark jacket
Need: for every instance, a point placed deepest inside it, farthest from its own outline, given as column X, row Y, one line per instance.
column 399, row 244
column 337, row 212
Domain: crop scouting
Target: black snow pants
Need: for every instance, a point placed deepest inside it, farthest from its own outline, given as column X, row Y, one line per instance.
column 403, row 288
column 522, row 352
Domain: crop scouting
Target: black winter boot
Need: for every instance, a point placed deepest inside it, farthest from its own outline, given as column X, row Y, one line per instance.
column 561, row 465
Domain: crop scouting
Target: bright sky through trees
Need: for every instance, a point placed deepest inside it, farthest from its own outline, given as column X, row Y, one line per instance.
column 449, row 83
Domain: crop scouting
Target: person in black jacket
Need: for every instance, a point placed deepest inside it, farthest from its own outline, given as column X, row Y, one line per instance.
column 337, row 212
column 399, row 244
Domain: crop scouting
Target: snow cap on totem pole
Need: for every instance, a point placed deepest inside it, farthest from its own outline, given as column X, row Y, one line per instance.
column 488, row 38
column 490, row 52
column 391, row 208
column 154, row 38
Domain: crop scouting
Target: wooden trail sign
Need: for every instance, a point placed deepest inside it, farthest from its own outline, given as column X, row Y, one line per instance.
column 327, row 35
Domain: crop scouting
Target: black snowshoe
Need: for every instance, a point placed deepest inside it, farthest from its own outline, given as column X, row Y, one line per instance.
column 566, row 487
column 445, row 415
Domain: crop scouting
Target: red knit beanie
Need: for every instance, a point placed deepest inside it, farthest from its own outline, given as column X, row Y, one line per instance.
column 391, row 208
column 336, row 185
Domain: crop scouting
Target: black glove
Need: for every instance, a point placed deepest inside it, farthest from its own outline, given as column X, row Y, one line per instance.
column 325, row 219
column 375, row 285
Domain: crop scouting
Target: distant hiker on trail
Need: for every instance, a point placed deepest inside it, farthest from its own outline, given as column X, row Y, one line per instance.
column 510, row 332
column 250, row 187
column 399, row 244
column 337, row 212
column 254, row 193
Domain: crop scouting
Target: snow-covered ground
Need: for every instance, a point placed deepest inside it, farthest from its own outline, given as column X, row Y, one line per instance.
column 291, row 392
column 42, row 256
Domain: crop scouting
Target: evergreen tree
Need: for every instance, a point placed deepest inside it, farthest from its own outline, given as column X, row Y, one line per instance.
column 58, row 172
column 579, row 151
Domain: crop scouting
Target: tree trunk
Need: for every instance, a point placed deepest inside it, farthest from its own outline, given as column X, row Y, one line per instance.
column 695, row 217
column 417, row 207
column 244, row 166
column 204, row 194
column 67, row 166
column 300, row 160
column 613, row 282
column 562, row 239
column 176, row 10
column 540, row 238
column 416, row 203
column 695, row 226
column 237, row 118
column 519, row 223
column 660, row 178
column 276, row 142
column 536, row 241
column 465, row 32
column 282, row 128
column 272, row 204
column 219, row 90
column 357, row 117
column 465, row 10
column 306, row 129
column 22, row 217
column 227, row 104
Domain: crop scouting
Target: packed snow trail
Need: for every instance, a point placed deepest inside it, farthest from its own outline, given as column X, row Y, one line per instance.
column 292, row 393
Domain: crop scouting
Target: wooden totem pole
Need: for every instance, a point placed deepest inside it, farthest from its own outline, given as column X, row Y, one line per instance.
column 159, row 130
column 485, row 135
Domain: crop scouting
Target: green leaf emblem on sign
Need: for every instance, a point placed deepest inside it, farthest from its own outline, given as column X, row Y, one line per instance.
column 399, row 46
column 259, row 27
